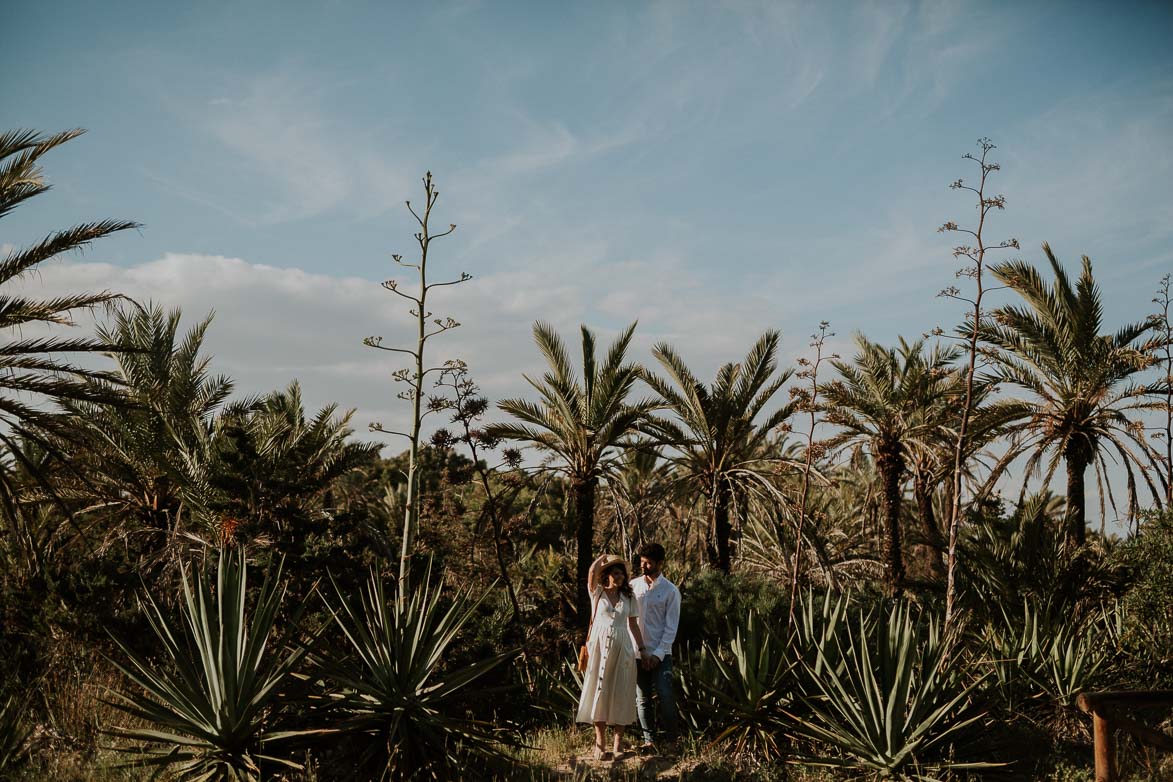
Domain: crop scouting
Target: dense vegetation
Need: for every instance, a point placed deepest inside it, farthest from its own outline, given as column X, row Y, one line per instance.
column 237, row 588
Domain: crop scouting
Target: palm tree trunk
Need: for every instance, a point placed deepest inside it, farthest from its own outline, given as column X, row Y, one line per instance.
column 723, row 496
column 1077, row 459
column 891, row 467
column 583, row 492
column 928, row 519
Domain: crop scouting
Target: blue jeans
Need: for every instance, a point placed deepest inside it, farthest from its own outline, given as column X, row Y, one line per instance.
column 657, row 682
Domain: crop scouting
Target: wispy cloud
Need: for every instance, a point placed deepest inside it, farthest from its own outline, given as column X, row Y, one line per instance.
column 284, row 143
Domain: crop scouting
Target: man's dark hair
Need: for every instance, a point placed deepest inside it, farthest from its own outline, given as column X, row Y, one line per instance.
column 652, row 551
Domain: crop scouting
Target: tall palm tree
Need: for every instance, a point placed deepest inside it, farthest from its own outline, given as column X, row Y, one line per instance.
column 716, row 441
column 1081, row 383
column 31, row 369
column 884, row 402
column 578, row 422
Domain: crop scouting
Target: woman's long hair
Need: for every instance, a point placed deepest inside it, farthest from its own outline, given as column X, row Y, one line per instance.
column 625, row 586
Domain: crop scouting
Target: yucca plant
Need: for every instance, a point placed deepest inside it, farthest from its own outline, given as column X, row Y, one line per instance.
column 743, row 690
column 892, row 706
column 14, row 735
column 209, row 704
column 1068, row 663
column 390, row 690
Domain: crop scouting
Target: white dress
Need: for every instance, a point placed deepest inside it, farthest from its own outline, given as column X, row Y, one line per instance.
column 608, row 684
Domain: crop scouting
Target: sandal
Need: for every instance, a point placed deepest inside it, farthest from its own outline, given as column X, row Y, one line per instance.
column 600, row 753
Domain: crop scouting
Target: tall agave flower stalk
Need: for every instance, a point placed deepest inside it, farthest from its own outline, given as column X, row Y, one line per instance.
column 413, row 375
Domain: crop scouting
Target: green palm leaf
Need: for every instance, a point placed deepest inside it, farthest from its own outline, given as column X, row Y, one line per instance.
column 579, row 421
column 717, row 442
column 33, row 377
column 1077, row 378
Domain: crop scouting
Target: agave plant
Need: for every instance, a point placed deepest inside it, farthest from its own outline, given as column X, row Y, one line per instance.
column 210, row 707
column 744, row 692
column 1044, row 655
column 14, row 736
column 1007, row 651
column 556, row 689
column 1068, row 662
column 390, row 690
column 890, row 705
column 820, row 620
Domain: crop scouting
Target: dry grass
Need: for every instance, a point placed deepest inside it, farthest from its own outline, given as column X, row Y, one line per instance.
column 564, row 754
column 69, row 745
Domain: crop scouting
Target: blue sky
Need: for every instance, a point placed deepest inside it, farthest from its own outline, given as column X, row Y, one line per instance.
column 713, row 169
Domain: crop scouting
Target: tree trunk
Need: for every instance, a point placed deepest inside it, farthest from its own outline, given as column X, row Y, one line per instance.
column 1077, row 459
column 583, row 491
column 891, row 467
column 928, row 519
column 721, row 527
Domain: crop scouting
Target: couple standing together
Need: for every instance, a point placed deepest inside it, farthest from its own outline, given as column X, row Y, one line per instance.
column 629, row 650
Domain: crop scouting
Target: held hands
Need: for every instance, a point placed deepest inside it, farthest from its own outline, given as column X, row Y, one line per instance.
column 649, row 661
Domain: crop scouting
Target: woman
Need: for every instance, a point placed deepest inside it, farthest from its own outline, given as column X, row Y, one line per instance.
column 608, row 684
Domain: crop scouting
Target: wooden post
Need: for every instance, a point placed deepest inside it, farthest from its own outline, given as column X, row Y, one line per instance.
column 1105, row 748
column 1102, row 704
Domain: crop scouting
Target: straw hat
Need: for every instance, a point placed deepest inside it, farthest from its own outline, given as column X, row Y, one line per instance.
column 611, row 561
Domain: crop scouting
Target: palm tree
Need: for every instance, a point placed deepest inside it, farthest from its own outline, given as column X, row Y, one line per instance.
column 717, row 445
column 131, row 470
column 1080, row 381
column 579, row 423
column 884, row 402
column 932, row 465
column 274, row 468
column 31, row 372
column 640, row 488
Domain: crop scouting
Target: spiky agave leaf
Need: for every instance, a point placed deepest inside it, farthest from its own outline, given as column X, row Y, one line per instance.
column 390, row 689
column 209, row 706
column 748, row 688
column 890, row 705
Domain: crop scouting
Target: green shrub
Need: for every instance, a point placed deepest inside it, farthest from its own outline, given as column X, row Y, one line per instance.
column 1147, row 633
column 711, row 598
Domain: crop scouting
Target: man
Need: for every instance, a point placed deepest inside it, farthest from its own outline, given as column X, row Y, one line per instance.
column 659, row 614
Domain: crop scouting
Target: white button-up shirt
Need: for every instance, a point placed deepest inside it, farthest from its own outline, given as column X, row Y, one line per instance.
column 659, row 613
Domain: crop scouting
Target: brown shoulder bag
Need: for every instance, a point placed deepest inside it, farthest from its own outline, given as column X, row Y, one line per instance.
column 583, row 653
